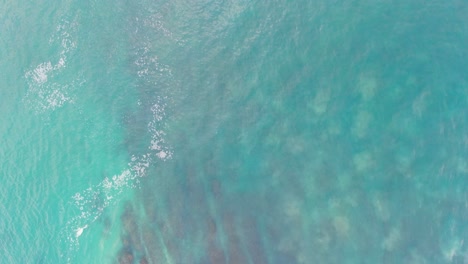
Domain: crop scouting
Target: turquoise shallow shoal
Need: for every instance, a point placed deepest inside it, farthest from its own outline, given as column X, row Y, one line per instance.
column 234, row 132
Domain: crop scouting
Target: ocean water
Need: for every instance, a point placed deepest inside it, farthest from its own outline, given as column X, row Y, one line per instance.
column 234, row 131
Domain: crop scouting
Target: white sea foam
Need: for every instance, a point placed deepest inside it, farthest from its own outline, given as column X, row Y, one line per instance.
column 39, row 74
column 42, row 97
column 156, row 21
column 162, row 154
column 148, row 64
column 92, row 201
column 46, row 90
column 157, row 135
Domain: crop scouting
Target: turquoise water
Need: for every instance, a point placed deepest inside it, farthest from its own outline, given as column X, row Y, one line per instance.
column 233, row 132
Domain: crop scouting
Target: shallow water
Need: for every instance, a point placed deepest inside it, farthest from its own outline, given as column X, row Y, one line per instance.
column 234, row 132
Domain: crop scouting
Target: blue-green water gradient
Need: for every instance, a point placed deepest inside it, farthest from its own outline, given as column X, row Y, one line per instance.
column 233, row 132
